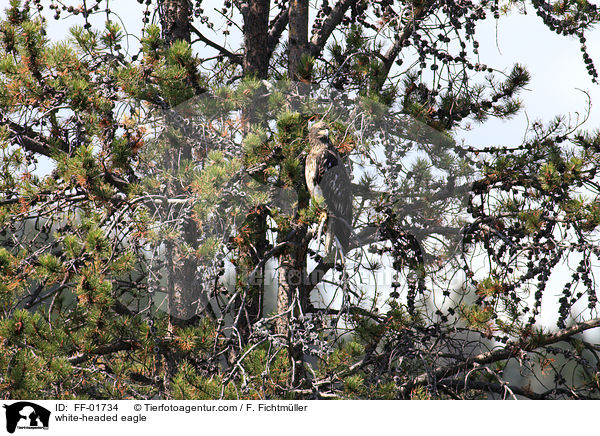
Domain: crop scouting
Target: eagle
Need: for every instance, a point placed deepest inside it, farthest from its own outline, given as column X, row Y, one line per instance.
column 326, row 177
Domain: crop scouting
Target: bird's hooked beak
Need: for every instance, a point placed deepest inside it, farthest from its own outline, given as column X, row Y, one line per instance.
column 320, row 131
column 323, row 133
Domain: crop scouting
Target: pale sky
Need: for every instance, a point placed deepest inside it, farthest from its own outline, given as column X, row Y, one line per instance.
column 557, row 71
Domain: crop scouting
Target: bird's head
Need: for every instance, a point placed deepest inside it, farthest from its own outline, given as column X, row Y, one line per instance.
column 319, row 131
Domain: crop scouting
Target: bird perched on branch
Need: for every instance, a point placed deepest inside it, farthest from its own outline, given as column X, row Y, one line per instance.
column 326, row 177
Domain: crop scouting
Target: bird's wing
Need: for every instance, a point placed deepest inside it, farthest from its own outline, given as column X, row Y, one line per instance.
column 325, row 161
column 331, row 176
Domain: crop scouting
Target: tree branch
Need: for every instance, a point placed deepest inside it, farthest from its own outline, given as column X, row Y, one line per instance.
column 237, row 59
column 27, row 138
column 502, row 388
column 276, row 29
column 319, row 39
column 123, row 345
column 402, row 39
column 497, row 355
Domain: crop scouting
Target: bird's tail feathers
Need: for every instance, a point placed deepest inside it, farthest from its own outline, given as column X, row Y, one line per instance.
column 330, row 235
column 338, row 229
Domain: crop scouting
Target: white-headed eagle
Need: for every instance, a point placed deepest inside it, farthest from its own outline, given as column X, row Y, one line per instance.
column 326, row 177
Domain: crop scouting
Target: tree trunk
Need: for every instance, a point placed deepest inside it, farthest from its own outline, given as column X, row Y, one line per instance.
column 255, row 14
column 291, row 298
column 292, row 301
column 292, row 276
column 182, row 287
column 292, row 265
column 256, row 37
column 175, row 18
column 298, row 36
column 251, row 253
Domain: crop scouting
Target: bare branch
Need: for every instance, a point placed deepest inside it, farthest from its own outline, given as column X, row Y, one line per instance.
column 27, row 138
column 501, row 353
column 235, row 58
column 319, row 39
column 402, row 39
column 502, row 389
column 276, row 29
column 123, row 345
